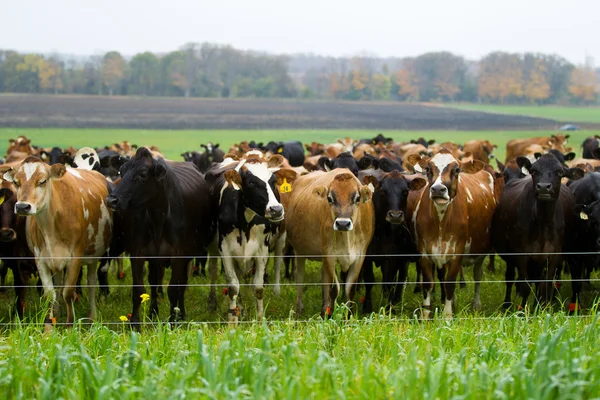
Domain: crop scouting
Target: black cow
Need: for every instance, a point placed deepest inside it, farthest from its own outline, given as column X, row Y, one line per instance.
column 589, row 145
column 587, row 231
column 292, row 150
column 249, row 217
column 203, row 160
column 168, row 215
column 376, row 140
column 345, row 160
column 55, row 156
column 392, row 236
column 534, row 219
column 423, row 142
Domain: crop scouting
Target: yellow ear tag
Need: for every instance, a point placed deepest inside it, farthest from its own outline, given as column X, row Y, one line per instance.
column 280, row 150
column 582, row 215
column 285, row 187
column 1, row 200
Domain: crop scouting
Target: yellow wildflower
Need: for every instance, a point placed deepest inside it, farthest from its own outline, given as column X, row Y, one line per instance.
column 123, row 318
column 145, row 297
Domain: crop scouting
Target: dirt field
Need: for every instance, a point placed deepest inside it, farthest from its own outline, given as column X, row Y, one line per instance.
column 35, row 111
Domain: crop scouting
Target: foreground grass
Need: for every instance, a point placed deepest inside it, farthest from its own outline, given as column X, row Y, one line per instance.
column 535, row 357
column 173, row 143
column 559, row 113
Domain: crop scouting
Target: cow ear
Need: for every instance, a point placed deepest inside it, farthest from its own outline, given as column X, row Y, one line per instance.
column 537, row 155
column 432, row 141
column 233, row 178
column 275, row 161
column 117, row 161
column 57, row 171
column 413, row 141
column 416, row 183
column 371, row 182
column 501, row 166
column 216, row 146
column 596, row 152
column 471, row 167
column 387, row 165
column 568, row 135
column 160, row 171
column 569, row 156
column 8, row 174
column 11, row 141
column 365, row 194
column 340, row 141
column 364, row 163
column 574, row 173
column 44, row 156
column 325, row 163
column 414, row 159
column 581, row 211
column 288, row 174
column 320, row 191
column 5, row 194
column 307, row 147
column 524, row 162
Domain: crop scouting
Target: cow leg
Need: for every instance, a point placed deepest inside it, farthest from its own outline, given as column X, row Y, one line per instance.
column 428, row 284
column 418, row 278
column 509, row 277
column 388, row 276
column 233, row 290
column 176, row 290
column 352, row 279
column 523, row 286
column 577, row 280
column 260, row 265
column 103, row 278
column 289, row 262
column 137, row 275
column 92, row 281
column 330, row 292
column 492, row 264
column 278, row 255
column 300, row 263
column 73, row 272
column 454, row 268
column 155, row 281
column 477, row 275
column 369, row 279
column 120, row 272
column 21, row 281
column 401, row 282
column 213, row 273
column 463, row 283
column 49, row 294
column 3, row 273
column 441, row 273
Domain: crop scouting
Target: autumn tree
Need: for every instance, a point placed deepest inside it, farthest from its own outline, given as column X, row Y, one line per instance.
column 49, row 74
column 537, row 87
column 500, row 77
column 584, row 84
column 408, row 82
column 113, row 70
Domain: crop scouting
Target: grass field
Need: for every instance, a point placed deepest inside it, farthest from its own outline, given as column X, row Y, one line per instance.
column 559, row 113
column 540, row 354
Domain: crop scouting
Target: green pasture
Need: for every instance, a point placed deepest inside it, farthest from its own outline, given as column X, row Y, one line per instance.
column 563, row 114
column 538, row 354
column 173, row 143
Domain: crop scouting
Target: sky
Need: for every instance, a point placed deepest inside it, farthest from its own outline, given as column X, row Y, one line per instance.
column 471, row 28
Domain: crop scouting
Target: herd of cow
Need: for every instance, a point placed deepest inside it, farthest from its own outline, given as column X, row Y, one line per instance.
column 356, row 203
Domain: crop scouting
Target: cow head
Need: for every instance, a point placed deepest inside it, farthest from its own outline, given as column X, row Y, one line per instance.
column 86, row 158
column 589, row 216
column 30, row 180
column 559, row 142
column 344, row 194
column 257, row 182
column 442, row 172
column 7, row 213
column 315, row 149
column 141, row 180
column 546, row 174
column 345, row 160
column 511, row 170
column 391, row 193
column 55, row 156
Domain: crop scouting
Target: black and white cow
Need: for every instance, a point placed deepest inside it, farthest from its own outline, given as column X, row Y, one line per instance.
column 249, row 219
column 203, row 160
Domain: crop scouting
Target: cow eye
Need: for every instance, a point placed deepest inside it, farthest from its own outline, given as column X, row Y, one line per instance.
column 330, row 199
column 42, row 182
column 457, row 170
column 560, row 173
column 357, row 199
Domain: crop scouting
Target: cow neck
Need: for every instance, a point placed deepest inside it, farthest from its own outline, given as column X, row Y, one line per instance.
column 439, row 211
column 544, row 212
column 49, row 218
column 160, row 210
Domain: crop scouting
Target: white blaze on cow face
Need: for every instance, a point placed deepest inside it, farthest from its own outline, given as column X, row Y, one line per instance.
column 263, row 173
column 30, row 169
column 30, row 180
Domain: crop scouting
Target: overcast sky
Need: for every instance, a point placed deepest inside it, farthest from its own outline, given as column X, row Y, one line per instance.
column 399, row 28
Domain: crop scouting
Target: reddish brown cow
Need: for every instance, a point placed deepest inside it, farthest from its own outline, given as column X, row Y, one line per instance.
column 330, row 217
column 516, row 147
column 479, row 149
column 450, row 220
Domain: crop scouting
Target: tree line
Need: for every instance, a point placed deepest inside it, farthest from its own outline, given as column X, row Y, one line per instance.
column 208, row 70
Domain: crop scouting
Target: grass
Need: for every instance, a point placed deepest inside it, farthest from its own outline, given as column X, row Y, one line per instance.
column 564, row 114
column 541, row 354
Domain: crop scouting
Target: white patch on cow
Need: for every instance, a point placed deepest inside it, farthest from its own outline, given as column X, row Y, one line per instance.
column 440, row 209
column 90, row 230
column 227, row 161
column 86, row 212
column 225, row 186
column 469, row 196
column 91, row 194
column 81, row 191
column 262, row 173
column 30, row 169
column 74, row 172
column 491, row 178
column 414, row 217
column 442, row 160
column 427, row 299
column 468, row 246
column 104, row 219
column 448, row 309
column 255, row 152
column 524, row 171
column 442, row 252
column 85, row 163
column 482, row 186
column 371, row 187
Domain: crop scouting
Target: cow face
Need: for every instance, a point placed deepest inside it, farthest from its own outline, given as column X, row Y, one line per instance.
column 442, row 172
column 546, row 174
column 391, row 193
column 31, row 181
column 141, row 179
column 345, row 160
column 7, row 214
column 315, row 149
column 258, row 186
column 589, row 216
column 86, row 158
column 344, row 195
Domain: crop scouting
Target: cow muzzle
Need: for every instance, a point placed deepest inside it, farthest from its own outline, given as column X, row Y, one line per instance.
column 24, row 208
column 343, row 224
column 395, row 217
column 439, row 194
column 543, row 191
column 113, row 202
column 275, row 213
column 7, row 235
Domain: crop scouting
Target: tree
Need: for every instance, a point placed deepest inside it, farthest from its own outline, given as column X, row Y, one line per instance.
column 144, row 74
column 113, row 70
column 537, row 87
column 49, row 74
column 382, row 86
column 500, row 77
column 408, row 81
column 583, row 86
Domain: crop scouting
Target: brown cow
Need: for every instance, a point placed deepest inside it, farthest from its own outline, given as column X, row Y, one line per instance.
column 516, row 147
column 450, row 218
column 55, row 198
column 479, row 149
column 21, row 144
column 330, row 217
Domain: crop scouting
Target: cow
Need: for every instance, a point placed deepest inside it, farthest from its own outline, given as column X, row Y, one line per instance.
column 423, row 142
column 168, row 220
column 345, row 160
column 589, row 145
column 292, row 151
column 249, row 217
column 517, row 147
column 392, row 236
column 203, row 160
column 594, row 161
column 450, row 221
column 481, row 150
column 330, row 218
column 532, row 225
column 55, row 197
column 54, row 155
column 315, row 149
column 586, row 239
column 21, row 145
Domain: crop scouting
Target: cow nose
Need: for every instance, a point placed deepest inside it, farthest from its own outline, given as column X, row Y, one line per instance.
column 396, row 216
column 343, row 224
column 112, row 202
column 22, row 208
column 275, row 212
column 543, row 186
column 439, row 190
column 7, row 235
